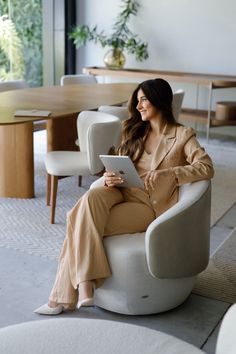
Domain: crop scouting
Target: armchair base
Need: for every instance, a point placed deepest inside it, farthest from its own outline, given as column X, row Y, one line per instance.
column 131, row 289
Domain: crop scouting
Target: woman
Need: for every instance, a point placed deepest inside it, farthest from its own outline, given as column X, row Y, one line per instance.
column 166, row 155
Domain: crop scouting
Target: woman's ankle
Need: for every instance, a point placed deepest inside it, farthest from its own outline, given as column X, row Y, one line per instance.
column 66, row 306
column 53, row 304
column 86, row 290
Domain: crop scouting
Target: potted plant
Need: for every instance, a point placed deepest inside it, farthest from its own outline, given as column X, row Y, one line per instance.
column 121, row 39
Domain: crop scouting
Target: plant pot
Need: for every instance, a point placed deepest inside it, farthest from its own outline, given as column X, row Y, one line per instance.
column 114, row 59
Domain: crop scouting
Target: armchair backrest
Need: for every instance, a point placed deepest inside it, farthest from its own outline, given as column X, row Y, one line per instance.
column 77, row 79
column 98, row 132
column 178, row 97
column 119, row 111
column 177, row 242
column 13, row 85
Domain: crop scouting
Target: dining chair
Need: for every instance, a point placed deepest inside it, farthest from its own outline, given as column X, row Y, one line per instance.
column 155, row 271
column 119, row 111
column 13, row 85
column 178, row 97
column 78, row 79
column 98, row 133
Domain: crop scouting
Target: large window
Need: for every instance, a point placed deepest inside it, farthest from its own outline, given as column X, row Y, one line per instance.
column 21, row 40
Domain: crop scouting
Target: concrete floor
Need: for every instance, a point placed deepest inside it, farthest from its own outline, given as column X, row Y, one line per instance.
column 25, row 283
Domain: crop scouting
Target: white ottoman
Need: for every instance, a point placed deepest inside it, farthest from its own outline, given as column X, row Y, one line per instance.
column 88, row 336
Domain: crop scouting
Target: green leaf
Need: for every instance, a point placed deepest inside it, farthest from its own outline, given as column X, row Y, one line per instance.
column 121, row 36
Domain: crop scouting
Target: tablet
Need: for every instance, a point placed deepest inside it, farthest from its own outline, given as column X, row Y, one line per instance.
column 31, row 113
column 123, row 166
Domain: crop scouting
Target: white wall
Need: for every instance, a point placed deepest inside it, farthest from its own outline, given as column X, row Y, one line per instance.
column 183, row 35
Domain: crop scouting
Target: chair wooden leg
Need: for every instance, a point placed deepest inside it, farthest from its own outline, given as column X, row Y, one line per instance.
column 48, row 191
column 80, row 181
column 54, row 183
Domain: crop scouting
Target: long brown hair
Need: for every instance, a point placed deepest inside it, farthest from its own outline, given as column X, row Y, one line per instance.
column 135, row 131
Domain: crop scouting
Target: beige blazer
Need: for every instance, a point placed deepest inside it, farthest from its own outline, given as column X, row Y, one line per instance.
column 180, row 159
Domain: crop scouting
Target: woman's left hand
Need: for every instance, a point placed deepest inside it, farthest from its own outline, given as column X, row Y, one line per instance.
column 151, row 179
column 112, row 179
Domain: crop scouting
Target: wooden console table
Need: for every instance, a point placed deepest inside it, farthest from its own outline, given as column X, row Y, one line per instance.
column 212, row 82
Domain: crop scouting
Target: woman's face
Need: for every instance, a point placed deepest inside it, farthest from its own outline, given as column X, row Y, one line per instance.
column 146, row 108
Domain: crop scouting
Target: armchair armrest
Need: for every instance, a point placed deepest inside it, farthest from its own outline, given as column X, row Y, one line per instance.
column 177, row 242
column 98, row 183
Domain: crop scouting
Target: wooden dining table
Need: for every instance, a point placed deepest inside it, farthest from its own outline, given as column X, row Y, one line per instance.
column 16, row 133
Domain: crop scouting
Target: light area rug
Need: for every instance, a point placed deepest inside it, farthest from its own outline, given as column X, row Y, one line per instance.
column 218, row 281
column 24, row 223
column 224, row 181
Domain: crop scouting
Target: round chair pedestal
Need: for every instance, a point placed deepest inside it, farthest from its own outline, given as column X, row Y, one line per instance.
column 131, row 289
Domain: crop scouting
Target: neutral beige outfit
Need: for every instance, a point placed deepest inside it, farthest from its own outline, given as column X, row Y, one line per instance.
column 107, row 211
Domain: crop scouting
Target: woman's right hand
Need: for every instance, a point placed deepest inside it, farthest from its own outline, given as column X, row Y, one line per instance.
column 112, row 179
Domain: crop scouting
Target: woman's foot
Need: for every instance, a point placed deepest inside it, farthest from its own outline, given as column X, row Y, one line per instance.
column 52, row 308
column 86, row 290
column 48, row 310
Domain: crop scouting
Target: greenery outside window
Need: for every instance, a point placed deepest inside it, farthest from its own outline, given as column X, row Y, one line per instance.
column 21, row 41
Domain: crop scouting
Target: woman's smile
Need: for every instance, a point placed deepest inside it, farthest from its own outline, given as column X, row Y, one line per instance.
column 147, row 110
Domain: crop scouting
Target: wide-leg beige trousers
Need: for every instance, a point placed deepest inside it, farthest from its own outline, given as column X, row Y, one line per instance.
column 102, row 211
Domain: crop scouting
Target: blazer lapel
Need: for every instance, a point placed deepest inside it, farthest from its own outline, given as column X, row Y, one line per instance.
column 164, row 146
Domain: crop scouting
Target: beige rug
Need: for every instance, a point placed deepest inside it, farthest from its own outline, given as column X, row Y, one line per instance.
column 223, row 192
column 218, row 281
column 224, row 181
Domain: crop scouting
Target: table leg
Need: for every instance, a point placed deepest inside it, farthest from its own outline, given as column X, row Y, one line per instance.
column 62, row 133
column 16, row 161
column 209, row 112
column 197, row 104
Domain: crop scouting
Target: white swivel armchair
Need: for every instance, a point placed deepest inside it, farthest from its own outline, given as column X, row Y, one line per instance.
column 13, row 85
column 98, row 132
column 121, row 112
column 178, row 97
column 155, row 271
